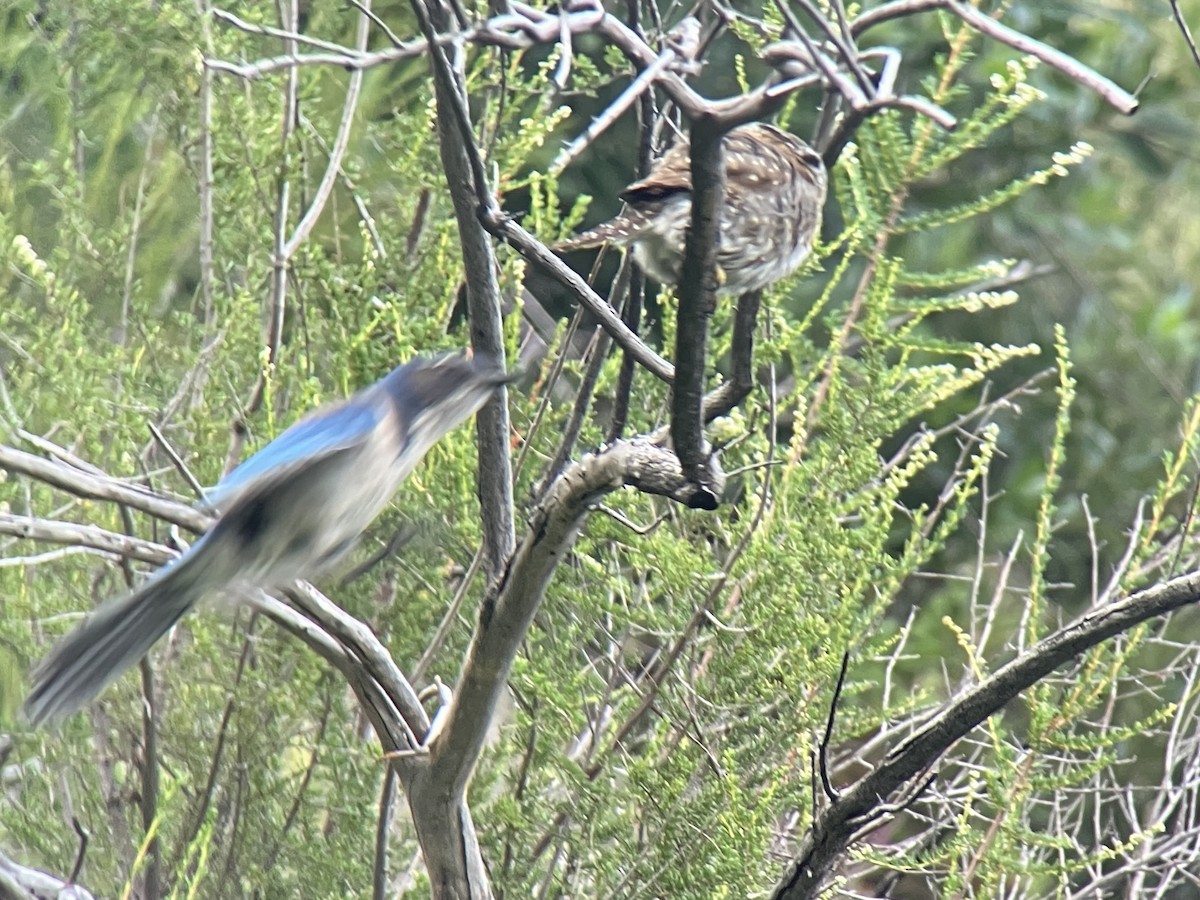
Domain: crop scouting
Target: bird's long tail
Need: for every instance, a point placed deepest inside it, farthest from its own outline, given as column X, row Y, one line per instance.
column 115, row 637
column 585, row 241
column 620, row 230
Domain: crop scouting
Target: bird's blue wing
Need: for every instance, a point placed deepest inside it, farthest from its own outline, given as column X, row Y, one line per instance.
column 309, row 440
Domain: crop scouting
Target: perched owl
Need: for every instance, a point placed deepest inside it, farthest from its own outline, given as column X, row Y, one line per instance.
column 774, row 192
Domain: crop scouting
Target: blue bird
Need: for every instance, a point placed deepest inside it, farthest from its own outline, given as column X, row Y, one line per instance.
column 287, row 512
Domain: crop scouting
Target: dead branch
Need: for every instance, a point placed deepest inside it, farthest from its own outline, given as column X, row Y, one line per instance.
column 857, row 811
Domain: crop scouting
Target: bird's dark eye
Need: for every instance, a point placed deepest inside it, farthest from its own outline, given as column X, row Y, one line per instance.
column 812, row 158
column 651, row 192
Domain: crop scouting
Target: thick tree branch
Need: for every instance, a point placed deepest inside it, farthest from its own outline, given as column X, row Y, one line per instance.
column 507, row 613
column 697, row 301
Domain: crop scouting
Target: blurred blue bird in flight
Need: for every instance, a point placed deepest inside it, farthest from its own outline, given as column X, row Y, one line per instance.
column 287, row 512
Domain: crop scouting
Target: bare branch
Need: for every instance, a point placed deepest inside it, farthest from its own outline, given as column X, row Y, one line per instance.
column 698, row 302
column 22, row 883
column 898, row 9
column 472, row 199
column 372, row 658
column 288, row 35
column 387, row 802
column 337, row 151
column 1177, row 15
column 833, row 831
column 741, row 363
column 831, row 793
column 506, row 615
column 536, row 252
column 97, row 487
column 81, row 536
column 81, row 853
column 280, row 257
column 523, row 28
column 1113, row 94
column 681, row 45
column 595, row 357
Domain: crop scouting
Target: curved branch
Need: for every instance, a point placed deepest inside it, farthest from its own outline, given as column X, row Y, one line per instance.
column 506, row 614
column 859, row 808
column 19, row 882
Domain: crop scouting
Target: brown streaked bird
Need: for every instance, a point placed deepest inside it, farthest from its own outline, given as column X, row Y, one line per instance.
column 774, row 191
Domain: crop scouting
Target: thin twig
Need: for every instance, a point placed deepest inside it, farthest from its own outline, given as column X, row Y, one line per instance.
column 176, row 460
column 135, row 226
column 1177, row 15
column 387, row 801
column 473, row 202
column 831, row 792
column 443, row 630
column 81, row 852
column 538, row 253
column 337, row 151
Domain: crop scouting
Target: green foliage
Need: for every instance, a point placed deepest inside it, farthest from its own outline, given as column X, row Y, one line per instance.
column 677, row 681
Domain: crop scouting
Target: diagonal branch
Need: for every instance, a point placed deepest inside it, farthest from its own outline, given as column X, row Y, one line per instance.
column 100, row 487
column 503, row 227
column 860, row 806
column 1112, row 93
